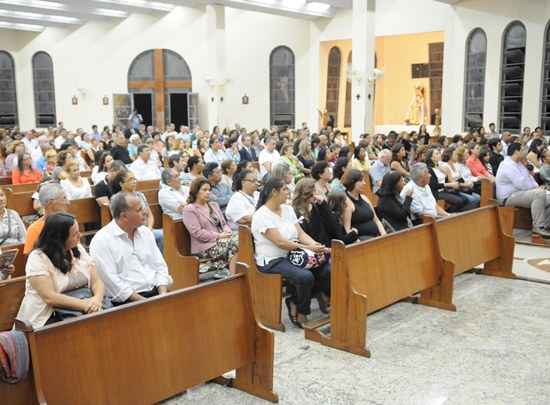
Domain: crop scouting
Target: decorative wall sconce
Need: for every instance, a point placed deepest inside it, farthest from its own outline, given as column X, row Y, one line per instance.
column 221, row 99
column 245, row 99
column 358, row 97
column 74, row 100
column 105, row 100
column 212, row 99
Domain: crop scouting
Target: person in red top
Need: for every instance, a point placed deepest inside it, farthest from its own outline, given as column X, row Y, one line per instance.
column 25, row 173
column 476, row 166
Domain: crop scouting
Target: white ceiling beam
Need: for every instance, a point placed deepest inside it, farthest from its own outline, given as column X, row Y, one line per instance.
column 44, row 23
column 21, row 27
column 83, row 12
column 289, row 8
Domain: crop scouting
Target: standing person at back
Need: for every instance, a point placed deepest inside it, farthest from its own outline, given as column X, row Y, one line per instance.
column 127, row 259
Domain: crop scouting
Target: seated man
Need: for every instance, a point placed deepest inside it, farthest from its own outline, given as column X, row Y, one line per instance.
column 220, row 192
column 143, row 167
column 173, row 197
column 126, row 255
column 516, row 187
column 423, row 201
column 379, row 169
column 53, row 199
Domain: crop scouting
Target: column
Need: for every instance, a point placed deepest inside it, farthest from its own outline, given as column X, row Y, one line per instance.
column 216, row 76
column 363, row 66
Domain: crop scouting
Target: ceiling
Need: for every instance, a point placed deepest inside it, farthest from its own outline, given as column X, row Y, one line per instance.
column 35, row 15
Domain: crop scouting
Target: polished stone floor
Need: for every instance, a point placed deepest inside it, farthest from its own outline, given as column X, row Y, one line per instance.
column 494, row 350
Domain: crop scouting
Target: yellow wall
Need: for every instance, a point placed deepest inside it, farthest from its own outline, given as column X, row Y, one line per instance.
column 394, row 91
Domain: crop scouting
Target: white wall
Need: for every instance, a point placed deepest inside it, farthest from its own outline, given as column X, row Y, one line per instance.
column 96, row 57
column 493, row 16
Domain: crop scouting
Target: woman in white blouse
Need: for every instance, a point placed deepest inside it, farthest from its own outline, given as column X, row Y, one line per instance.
column 74, row 185
column 57, row 265
column 99, row 172
column 277, row 232
column 242, row 203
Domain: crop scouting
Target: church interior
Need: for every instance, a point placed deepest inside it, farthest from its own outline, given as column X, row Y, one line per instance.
column 457, row 301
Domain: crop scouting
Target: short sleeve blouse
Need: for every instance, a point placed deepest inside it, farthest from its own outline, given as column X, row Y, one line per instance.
column 264, row 219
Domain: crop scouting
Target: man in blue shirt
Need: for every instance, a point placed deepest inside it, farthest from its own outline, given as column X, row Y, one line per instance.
column 379, row 169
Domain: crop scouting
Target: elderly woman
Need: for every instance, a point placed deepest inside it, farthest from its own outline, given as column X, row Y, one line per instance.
column 363, row 217
column 74, row 185
column 242, row 203
column 59, row 264
column 277, row 232
column 211, row 236
column 25, row 173
column 12, row 229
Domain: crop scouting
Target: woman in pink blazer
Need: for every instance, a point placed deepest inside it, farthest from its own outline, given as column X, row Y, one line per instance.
column 211, row 236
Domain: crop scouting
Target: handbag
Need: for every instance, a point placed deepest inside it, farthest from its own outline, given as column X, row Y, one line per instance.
column 306, row 259
column 80, row 293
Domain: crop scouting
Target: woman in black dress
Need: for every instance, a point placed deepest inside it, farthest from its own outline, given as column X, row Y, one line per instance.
column 363, row 217
column 390, row 207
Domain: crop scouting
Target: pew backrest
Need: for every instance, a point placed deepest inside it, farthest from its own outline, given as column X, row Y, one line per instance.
column 20, row 202
column 143, row 185
column 178, row 340
column 12, row 292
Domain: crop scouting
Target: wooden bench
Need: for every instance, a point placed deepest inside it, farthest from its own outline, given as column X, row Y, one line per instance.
column 374, row 274
column 478, row 237
column 143, row 185
column 178, row 340
column 22, row 188
column 184, row 268
column 153, row 201
column 20, row 202
column 266, row 288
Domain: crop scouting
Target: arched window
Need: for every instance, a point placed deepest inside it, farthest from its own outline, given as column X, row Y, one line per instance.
column 513, row 72
column 347, row 120
column 474, row 86
column 8, row 93
column 44, row 90
column 333, row 83
column 545, row 108
column 282, row 86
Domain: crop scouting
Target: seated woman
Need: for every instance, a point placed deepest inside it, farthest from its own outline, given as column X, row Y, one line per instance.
column 545, row 169
column 229, row 167
column 277, row 232
column 305, row 156
column 363, row 217
column 316, row 217
column 338, row 171
column 399, row 160
column 296, row 167
column 50, row 158
column 195, row 166
column 126, row 181
column 476, row 166
column 25, row 173
column 449, row 167
column 390, row 207
column 12, row 229
column 57, row 265
column 242, row 203
column 443, row 188
column 322, row 174
column 99, row 172
column 211, row 236
column 361, row 159
column 535, row 153
column 75, row 186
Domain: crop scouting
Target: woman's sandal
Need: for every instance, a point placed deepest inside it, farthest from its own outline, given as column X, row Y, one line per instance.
column 293, row 318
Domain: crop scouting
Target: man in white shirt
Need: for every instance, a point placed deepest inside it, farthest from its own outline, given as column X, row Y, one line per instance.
column 30, row 143
column 143, row 167
column 173, row 197
column 215, row 153
column 423, row 201
column 126, row 254
column 268, row 156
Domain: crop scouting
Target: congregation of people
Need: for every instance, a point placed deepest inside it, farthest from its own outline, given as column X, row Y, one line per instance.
column 296, row 190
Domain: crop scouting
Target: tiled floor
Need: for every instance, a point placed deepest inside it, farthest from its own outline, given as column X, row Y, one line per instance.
column 494, row 350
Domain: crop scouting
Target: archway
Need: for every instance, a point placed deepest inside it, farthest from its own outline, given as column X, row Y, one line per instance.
column 159, row 81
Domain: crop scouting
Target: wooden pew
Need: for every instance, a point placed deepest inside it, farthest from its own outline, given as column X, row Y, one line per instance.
column 266, row 288
column 20, row 202
column 11, row 295
column 478, row 237
column 143, row 185
column 183, row 267
column 178, row 340
column 374, row 274
column 22, row 188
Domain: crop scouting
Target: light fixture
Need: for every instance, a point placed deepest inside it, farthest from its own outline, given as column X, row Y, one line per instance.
column 109, row 12
column 50, row 5
column 21, row 27
column 40, row 17
column 153, row 5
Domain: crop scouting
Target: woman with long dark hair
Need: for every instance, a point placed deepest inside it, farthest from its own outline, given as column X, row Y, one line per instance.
column 59, row 264
column 25, row 173
column 277, row 232
column 390, row 207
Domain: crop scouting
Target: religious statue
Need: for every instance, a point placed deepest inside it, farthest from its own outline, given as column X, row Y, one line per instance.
column 417, row 108
column 323, row 116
